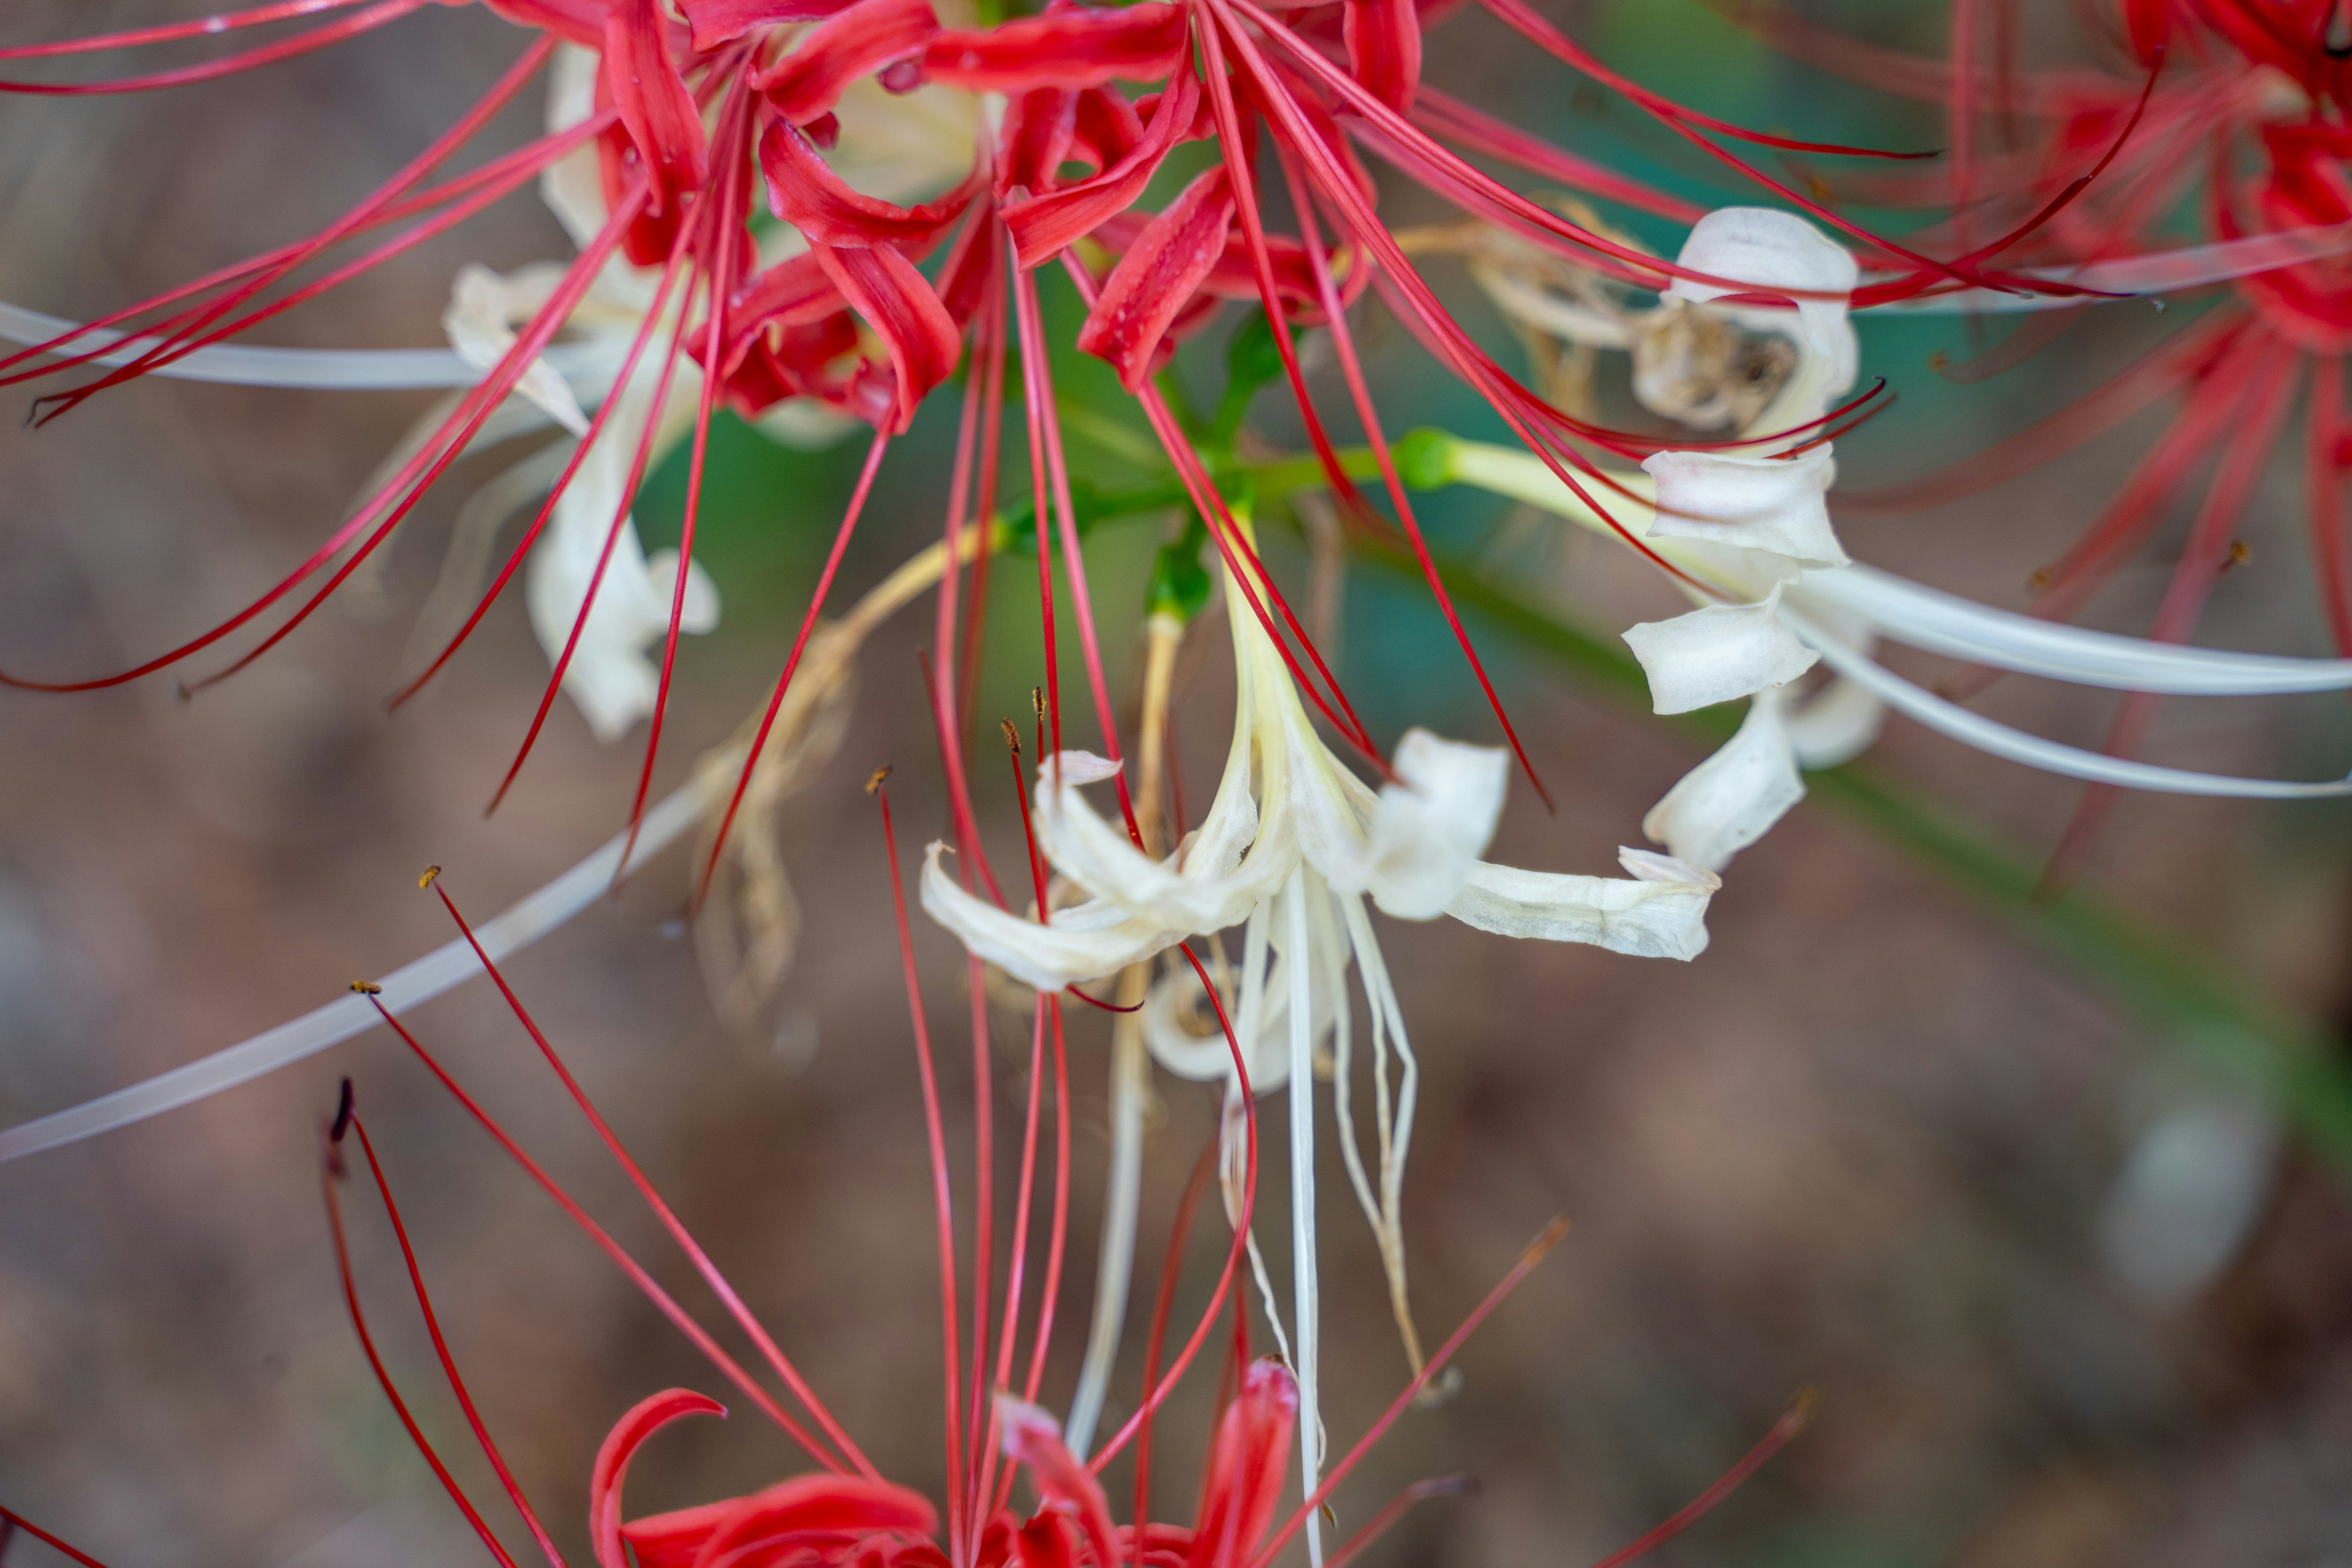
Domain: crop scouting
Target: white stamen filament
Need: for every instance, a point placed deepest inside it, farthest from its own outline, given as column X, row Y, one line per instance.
column 441, row 970
column 584, row 364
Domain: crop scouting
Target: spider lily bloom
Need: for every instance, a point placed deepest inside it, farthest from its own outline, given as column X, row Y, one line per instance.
column 692, row 118
column 1290, row 849
column 2247, row 97
column 1753, row 540
column 842, row 1510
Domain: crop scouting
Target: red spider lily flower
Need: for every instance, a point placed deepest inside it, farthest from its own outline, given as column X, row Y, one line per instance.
column 843, row 1512
column 2246, row 96
column 695, row 120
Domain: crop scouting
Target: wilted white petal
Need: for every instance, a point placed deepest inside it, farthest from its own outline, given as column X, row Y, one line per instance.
column 1660, row 912
column 1835, row 724
column 1084, row 944
column 610, row 678
column 1717, row 653
column 1184, row 1036
column 1206, row 885
column 1430, row 827
column 1778, row 505
column 1730, row 800
column 1074, row 768
column 483, row 309
column 573, row 185
column 1769, row 250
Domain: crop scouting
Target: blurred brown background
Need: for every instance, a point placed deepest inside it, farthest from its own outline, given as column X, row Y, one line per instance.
column 1870, row 1143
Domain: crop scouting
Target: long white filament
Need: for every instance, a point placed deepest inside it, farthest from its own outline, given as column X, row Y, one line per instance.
column 2051, row 756
column 1130, row 1070
column 438, row 971
column 1306, row 1305
column 343, row 370
column 1938, row 622
column 1907, row 612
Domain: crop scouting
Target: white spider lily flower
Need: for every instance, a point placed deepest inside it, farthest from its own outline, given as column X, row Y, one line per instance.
column 1733, row 798
column 1754, row 532
column 1770, row 250
column 1717, row 653
column 1775, row 510
column 1291, row 849
column 485, row 308
column 611, row 677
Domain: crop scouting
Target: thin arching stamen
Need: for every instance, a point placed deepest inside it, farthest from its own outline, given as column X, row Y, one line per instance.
column 375, row 16
column 942, row 1197
column 1166, row 1386
column 351, row 1116
column 328, row 1172
column 723, row 211
column 728, row 1297
column 1792, row 1421
column 1535, row 1252
column 697, row 1336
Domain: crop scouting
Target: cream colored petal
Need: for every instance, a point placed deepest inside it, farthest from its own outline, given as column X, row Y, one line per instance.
column 1659, row 912
column 1184, row 1036
column 1767, row 249
column 1776, row 505
column 1193, row 891
column 1431, row 826
column 1080, row 945
column 1835, row 724
column 573, row 186
column 480, row 318
column 699, row 613
column 610, row 679
column 1730, row 800
column 1717, row 653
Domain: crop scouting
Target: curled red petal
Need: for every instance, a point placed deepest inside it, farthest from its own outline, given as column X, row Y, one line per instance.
column 1384, row 50
column 1032, row 1438
column 1043, row 226
column 1046, row 1543
column 716, row 22
column 654, row 101
column 867, row 35
column 1040, row 126
column 1158, row 275
column 1106, row 127
column 1246, row 1467
column 900, row 305
column 621, row 1445
column 970, row 264
column 788, row 328
column 805, row 192
column 1075, row 48
column 821, row 1506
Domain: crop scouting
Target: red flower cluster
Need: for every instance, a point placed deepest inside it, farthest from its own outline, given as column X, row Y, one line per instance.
column 702, row 115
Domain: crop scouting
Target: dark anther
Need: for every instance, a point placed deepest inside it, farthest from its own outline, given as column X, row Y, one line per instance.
column 342, row 1114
